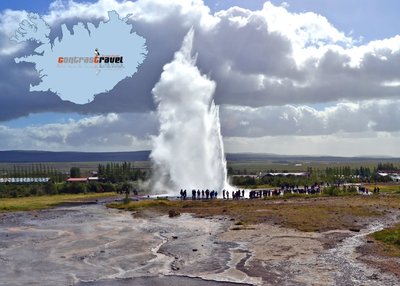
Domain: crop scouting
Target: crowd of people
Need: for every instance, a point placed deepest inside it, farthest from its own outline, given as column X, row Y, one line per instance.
column 262, row 193
column 212, row 194
column 240, row 194
column 197, row 195
column 236, row 195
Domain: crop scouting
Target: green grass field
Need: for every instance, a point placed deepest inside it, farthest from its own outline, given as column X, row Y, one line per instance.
column 44, row 202
column 385, row 188
column 390, row 238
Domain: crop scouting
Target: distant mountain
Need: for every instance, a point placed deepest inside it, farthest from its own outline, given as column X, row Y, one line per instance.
column 46, row 156
column 290, row 158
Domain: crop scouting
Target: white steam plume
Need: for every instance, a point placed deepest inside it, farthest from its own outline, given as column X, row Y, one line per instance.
column 188, row 153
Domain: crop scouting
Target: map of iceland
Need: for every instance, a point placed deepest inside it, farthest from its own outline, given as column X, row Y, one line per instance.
column 89, row 61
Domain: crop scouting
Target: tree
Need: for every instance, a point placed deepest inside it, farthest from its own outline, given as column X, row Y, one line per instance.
column 75, row 172
column 50, row 189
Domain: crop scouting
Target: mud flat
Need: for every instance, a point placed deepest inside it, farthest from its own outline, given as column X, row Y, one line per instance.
column 93, row 245
column 283, row 256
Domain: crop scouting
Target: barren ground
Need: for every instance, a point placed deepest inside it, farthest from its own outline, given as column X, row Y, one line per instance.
column 317, row 241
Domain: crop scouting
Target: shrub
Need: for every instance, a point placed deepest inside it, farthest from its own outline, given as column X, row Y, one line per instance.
column 107, row 187
column 331, row 191
column 72, row 188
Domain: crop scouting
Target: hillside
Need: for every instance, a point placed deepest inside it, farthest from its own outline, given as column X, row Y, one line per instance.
column 46, row 156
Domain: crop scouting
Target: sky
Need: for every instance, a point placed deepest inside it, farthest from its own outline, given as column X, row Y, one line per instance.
column 305, row 77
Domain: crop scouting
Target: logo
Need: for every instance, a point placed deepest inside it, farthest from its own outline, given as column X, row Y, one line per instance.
column 97, row 61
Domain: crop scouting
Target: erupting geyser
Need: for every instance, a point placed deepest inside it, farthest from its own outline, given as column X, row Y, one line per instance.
column 188, row 153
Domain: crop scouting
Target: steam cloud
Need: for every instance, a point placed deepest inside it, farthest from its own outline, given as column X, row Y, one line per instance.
column 188, row 153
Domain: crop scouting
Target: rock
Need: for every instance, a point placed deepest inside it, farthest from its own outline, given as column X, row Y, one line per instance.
column 174, row 267
column 374, row 276
column 173, row 213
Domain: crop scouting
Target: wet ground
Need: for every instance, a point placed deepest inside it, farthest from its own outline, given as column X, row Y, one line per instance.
column 93, row 245
column 284, row 256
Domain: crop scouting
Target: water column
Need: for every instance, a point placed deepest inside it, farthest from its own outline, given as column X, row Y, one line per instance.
column 188, row 153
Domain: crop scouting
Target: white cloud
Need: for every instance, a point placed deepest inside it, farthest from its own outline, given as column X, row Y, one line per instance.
column 366, row 116
column 257, row 58
column 304, row 29
column 141, row 11
column 9, row 23
column 10, row 19
column 346, row 129
column 382, row 144
column 270, row 66
column 111, row 132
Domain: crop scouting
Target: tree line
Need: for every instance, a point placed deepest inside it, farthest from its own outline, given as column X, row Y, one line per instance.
column 33, row 171
column 113, row 177
column 120, row 172
column 50, row 188
column 331, row 175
